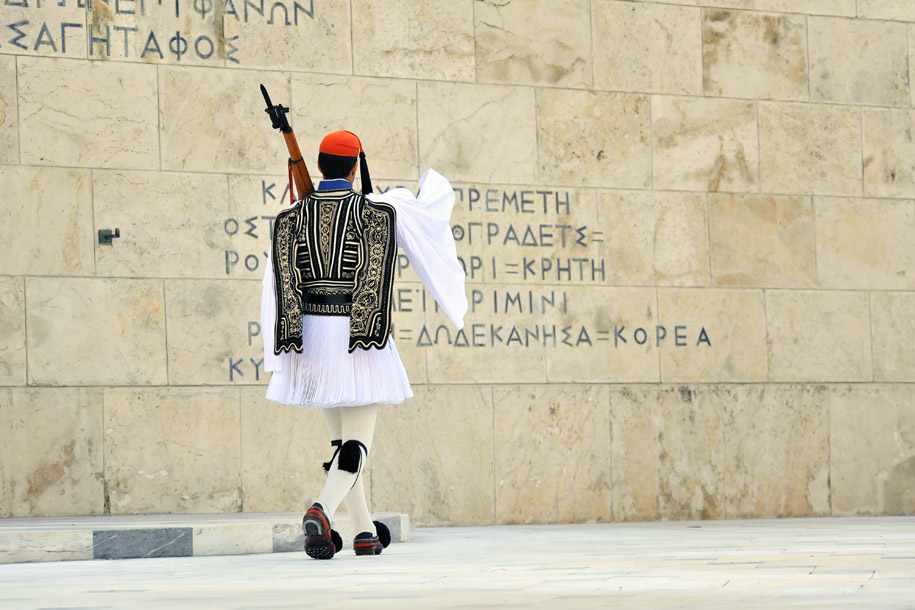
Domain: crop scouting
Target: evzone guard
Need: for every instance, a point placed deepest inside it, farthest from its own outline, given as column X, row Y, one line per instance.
column 326, row 311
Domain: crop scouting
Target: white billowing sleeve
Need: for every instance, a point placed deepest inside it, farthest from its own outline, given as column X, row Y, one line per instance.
column 272, row 362
column 424, row 233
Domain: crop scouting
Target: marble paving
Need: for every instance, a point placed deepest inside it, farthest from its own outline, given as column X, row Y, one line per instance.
column 857, row 562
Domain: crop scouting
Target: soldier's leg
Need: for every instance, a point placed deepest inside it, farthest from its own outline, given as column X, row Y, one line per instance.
column 356, row 431
column 355, row 499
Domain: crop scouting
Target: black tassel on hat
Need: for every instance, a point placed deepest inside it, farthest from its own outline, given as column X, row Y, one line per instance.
column 364, row 174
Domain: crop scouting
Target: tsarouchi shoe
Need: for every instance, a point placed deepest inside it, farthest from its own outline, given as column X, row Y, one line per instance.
column 367, row 543
column 319, row 542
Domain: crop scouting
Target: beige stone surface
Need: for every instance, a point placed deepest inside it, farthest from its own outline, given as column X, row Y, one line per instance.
column 889, row 153
column 172, row 225
column 433, row 456
column 409, row 305
column 21, row 547
column 754, row 55
column 667, row 453
column 647, row 47
column 214, row 332
column 818, row 336
column 528, row 234
column 41, row 33
column 598, row 340
column 872, row 442
column 294, row 41
column 858, row 61
column 427, row 39
column 734, row 345
column 328, row 103
column 51, row 452
column 173, row 450
column 246, row 539
column 254, row 201
column 704, row 144
column 762, row 241
column 480, row 133
column 593, row 139
column 47, row 227
column 223, row 143
column 504, row 338
column 654, row 238
column 87, row 114
column 121, row 323
column 865, row 243
column 539, row 42
column 809, row 148
column 551, row 458
column 886, row 9
column 282, row 449
column 9, row 115
column 776, row 451
column 12, row 331
column 809, row 7
column 893, row 330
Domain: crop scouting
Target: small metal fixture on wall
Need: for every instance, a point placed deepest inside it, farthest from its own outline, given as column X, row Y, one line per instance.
column 105, row 236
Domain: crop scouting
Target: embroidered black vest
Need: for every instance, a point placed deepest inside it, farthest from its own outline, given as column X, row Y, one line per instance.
column 333, row 255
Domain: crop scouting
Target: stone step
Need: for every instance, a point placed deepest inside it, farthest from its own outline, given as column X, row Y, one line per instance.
column 131, row 536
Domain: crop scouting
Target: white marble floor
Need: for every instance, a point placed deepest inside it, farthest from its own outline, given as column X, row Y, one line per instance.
column 810, row 563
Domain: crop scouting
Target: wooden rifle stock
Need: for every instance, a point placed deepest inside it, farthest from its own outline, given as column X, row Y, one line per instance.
column 297, row 169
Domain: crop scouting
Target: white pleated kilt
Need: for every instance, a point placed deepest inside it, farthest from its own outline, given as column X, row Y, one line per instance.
column 326, row 375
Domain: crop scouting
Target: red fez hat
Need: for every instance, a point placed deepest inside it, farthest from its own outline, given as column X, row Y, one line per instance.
column 341, row 144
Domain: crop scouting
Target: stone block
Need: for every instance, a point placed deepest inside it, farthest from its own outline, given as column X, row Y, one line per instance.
column 173, row 450
column 245, row 539
column 889, row 153
column 654, row 238
column 704, row 144
column 598, row 338
column 712, row 335
column 328, row 103
column 143, row 543
column 9, row 115
column 433, row 457
column 843, row 8
column 282, row 449
column 886, row 9
column 762, row 241
column 426, row 39
column 755, row 55
column 223, row 143
column 858, row 61
column 818, row 336
column 161, row 33
column 483, row 133
column 120, row 322
column 593, row 139
column 534, row 43
column 865, row 243
column 551, row 458
column 504, row 338
column 809, row 148
column 172, row 225
column 295, row 36
column 409, row 303
column 254, row 202
column 45, row 29
column 22, row 547
column 214, row 332
column 893, row 331
column 528, row 234
column 666, row 453
column 872, row 441
column 776, row 449
column 48, row 224
column 12, row 331
column 88, row 114
column 647, row 48
column 51, row 452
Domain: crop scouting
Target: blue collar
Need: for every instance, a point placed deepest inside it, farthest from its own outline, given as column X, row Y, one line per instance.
column 334, row 185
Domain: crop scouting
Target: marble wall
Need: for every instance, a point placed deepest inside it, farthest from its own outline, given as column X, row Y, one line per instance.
column 688, row 229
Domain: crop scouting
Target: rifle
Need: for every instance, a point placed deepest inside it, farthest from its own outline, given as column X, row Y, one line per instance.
column 297, row 170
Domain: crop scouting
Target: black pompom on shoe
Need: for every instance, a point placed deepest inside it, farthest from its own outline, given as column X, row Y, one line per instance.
column 337, row 540
column 384, row 534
